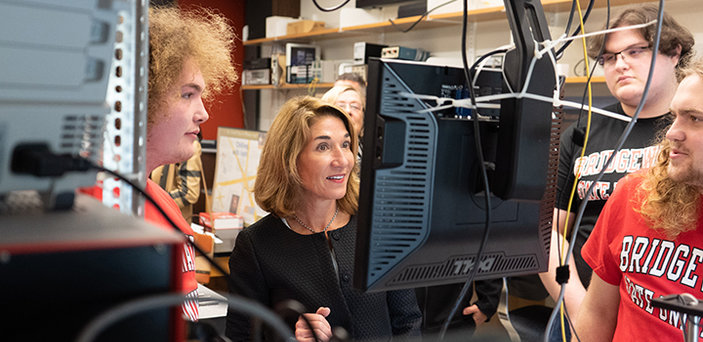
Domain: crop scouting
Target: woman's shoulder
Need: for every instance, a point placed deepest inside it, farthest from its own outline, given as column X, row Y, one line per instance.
column 350, row 226
column 264, row 225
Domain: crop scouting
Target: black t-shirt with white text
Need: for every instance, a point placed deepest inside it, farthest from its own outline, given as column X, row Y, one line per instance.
column 638, row 152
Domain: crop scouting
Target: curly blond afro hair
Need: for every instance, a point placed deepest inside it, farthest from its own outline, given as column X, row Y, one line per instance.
column 176, row 35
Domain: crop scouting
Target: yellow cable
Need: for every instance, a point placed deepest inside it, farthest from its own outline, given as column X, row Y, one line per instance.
column 578, row 170
column 312, row 86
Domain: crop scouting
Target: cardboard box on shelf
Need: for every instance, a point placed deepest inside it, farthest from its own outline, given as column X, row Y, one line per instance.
column 304, row 26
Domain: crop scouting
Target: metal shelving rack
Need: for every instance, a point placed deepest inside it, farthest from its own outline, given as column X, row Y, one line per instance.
column 124, row 148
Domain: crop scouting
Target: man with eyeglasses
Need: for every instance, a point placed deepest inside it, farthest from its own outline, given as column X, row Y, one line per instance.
column 353, row 80
column 625, row 58
column 348, row 98
column 632, row 53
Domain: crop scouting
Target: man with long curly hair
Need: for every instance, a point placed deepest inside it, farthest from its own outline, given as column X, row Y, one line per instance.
column 189, row 60
column 624, row 57
column 648, row 241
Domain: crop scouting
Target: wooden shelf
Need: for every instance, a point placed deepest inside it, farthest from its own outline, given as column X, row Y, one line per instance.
column 287, row 86
column 296, row 37
column 432, row 20
column 583, row 79
column 569, row 80
column 563, row 6
column 481, row 14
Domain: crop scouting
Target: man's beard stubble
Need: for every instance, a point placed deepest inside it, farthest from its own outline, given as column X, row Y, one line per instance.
column 686, row 174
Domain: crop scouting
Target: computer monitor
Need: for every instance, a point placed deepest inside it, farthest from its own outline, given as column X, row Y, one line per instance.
column 421, row 208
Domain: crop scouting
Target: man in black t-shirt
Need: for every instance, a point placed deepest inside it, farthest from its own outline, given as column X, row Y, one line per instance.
column 625, row 59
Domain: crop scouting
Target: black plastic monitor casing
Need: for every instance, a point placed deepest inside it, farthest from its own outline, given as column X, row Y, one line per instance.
column 421, row 207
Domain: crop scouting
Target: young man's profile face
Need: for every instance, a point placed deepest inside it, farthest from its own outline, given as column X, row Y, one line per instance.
column 686, row 133
column 170, row 138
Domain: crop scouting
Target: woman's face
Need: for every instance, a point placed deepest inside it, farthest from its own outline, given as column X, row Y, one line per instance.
column 326, row 160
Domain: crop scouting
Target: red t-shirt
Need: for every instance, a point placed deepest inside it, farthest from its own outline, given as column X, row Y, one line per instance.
column 624, row 251
column 151, row 214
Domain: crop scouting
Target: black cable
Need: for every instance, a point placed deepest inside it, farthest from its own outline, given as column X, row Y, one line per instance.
column 480, row 59
column 205, row 332
column 559, row 191
column 581, row 110
column 175, row 226
column 618, row 146
column 576, row 67
column 329, row 9
column 419, row 19
column 484, row 177
column 583, row 102
column 105, row 319
column 576, row 31
column 162, row 212
column 571, row 17
column 595, row 65
column 560, row 51
column 571, row 324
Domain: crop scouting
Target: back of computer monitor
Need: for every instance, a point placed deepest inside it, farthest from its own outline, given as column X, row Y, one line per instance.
column 422, row 211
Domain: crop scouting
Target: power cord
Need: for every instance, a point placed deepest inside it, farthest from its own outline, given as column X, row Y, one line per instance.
column 420, row 18
column 98, row 324
column 173, row 224
column 595, row 65
column 331, row 9
column 579, row 138
column 576, row 31
column 562, row 272
column 618, row 146
column 484, row 178
column 37, row 159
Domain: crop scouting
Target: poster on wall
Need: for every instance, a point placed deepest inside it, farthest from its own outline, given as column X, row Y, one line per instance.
column 238, row 153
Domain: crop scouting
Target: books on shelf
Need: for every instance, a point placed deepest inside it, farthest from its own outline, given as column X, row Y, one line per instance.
column 221, row 220
column 225, row 225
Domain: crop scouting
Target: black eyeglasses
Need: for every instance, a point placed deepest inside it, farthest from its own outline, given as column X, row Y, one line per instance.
column 629, row 54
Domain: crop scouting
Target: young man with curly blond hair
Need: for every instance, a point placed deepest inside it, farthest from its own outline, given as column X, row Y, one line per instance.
column 189, row 60
column 648, row 241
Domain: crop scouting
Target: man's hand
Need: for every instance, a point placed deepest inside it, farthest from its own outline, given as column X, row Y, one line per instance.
column 318, row 323
column 478, row 316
